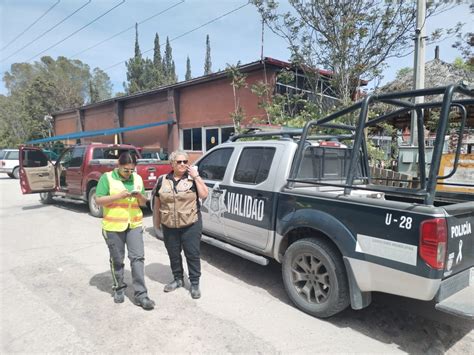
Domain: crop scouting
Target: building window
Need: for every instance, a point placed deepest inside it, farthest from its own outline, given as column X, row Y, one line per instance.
column 204, row 139
column 192, row 139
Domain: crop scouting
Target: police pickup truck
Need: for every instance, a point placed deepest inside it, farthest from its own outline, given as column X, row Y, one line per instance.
column 310, row 203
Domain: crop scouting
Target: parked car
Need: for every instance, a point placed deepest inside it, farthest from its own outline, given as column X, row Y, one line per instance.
column 9, row 163
column 77, row 171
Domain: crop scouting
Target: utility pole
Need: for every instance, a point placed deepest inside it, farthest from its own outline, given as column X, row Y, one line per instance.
column 419, row 64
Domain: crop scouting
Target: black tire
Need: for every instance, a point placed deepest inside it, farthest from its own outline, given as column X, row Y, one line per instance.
column 46, row 198
column 16, row 172
column 315, row 277
column 94, row 209
column 10, row 175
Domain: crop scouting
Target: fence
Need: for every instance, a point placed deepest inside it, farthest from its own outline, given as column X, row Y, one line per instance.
column 391, row 178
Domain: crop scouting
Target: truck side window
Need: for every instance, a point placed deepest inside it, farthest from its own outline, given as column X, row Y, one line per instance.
column 213, row 166
column 98, row 153
column 77, row 157
column 254, row 165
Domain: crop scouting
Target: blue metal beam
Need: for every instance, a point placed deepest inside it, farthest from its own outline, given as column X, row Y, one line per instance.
column 100, row 132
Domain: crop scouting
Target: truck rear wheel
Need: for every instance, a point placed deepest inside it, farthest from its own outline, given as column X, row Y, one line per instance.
column 46, row 198
column 94, row 209
column 314, row 277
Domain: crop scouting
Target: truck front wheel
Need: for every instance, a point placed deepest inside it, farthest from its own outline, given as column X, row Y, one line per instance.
column 94, row 209
column 46, row 198
column 314, row 277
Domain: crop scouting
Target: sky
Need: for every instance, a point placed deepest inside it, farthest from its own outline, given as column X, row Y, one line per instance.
column 235, row 33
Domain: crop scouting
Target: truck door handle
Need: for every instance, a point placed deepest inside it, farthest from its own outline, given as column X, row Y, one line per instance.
column 43, row 174
column 151, row 169
column 261, row 197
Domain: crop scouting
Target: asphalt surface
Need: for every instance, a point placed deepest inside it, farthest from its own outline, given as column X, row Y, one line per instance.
column 56, row 298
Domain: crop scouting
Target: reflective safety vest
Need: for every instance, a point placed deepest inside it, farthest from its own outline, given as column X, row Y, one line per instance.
column 119, row 214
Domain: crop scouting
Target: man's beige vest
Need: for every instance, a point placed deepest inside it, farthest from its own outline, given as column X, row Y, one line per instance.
column 178, row 208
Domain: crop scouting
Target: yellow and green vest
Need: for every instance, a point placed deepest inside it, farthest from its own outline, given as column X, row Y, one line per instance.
column 121, row 214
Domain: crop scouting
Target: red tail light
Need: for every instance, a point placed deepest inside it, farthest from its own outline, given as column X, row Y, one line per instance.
column 433, row 238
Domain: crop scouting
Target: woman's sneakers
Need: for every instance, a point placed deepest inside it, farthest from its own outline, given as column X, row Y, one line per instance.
column 195, row 291
column 173, row 285
column 146, row 303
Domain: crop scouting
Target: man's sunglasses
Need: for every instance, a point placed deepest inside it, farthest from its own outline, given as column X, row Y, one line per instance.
column 181, row 161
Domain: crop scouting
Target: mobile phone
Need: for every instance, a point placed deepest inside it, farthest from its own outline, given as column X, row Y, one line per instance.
column 194, row 168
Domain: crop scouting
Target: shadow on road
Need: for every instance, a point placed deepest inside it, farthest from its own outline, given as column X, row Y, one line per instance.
column 159, row 273
column 103, row 282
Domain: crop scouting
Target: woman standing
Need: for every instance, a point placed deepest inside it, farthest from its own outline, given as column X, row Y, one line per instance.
column 120, row 192
column 177, row 210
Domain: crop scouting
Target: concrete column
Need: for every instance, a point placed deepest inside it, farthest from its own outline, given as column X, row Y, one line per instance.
column 173, row 114
column 80, row 123
column 118, row 118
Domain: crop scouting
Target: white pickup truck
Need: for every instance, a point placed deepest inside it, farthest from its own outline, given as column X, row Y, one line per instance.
column 310, row 203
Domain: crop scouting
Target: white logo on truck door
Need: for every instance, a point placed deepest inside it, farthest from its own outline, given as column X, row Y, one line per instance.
column 237, row 204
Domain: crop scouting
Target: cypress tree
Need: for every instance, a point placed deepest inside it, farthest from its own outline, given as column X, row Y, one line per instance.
column 157, row 63
column 135, row 69
column 207, row 61
column 188, row 69
column 168, row 63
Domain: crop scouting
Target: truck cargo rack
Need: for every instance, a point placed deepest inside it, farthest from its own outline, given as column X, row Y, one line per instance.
column 359, row 153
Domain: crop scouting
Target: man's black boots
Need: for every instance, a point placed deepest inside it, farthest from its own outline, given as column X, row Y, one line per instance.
column 173, row 285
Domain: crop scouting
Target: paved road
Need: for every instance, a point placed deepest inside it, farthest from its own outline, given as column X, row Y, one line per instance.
column 55, row 297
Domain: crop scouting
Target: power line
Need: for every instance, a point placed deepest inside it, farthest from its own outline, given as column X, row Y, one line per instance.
column 34, row 22
column 127, row 29
column 80, row 29
column 49, row 30
column 187, row 32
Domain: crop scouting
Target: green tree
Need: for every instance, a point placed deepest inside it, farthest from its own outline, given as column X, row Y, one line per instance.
column 44, row 87
column 100, row 87
column 238, row 82
column 157, row 73
column 135, row 69
column 207, row 61
column 351, row 38
column 169, row 71
column 188, row 69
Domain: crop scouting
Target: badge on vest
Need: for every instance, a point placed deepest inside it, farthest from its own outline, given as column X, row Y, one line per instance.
column 184, row 185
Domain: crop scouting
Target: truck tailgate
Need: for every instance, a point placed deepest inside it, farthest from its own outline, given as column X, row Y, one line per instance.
column 456, row 292
column 150, row 172
column 460, row 248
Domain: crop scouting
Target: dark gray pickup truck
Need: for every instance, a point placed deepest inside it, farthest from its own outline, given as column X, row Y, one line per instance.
column 309, row 202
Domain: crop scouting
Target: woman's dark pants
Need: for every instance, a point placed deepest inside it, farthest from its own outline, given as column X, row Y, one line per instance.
column 189, row 240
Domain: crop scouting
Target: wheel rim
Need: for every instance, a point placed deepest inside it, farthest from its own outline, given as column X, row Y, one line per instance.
column 16, row 173
column 43, row 195
column 310, row 278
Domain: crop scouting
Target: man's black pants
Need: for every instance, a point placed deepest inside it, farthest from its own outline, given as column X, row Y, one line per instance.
column 189, row 240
